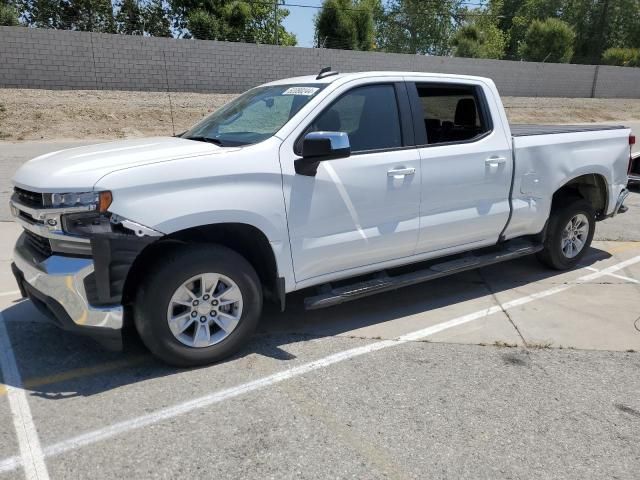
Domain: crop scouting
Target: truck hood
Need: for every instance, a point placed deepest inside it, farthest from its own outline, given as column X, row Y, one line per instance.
column 78, row 169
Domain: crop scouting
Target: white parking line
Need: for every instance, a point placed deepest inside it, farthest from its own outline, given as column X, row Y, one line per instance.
column 217, row 397
column 31, row 454
column 615, row 275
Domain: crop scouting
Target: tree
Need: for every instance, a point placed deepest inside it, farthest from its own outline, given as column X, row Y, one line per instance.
column 515, row 16
column 155, row 19
column 479, row 41
column 622, row 57
column 480, row 36
column 418, row 26
column 598, row 24
column 42, row 13
column 345, row 24
column 129, row 18
column 550, row 40
column 89, row 16
column 232, row 20
column 8, row 15
column 603, row 24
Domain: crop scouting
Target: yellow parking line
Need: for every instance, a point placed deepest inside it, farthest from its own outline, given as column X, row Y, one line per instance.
column 76, row 373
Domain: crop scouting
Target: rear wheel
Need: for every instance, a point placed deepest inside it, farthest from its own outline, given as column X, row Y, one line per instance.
column 569, row 234
column 199, row 305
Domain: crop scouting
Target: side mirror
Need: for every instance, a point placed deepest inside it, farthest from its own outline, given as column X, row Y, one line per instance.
column 320, row 146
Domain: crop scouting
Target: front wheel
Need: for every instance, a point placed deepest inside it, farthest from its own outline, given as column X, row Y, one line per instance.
column 569, row 234
column 198, row 305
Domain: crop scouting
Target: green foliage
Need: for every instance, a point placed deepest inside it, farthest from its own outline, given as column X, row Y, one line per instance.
column 517, row 16
column 129, row 18
column 598, row 24
column 231, row 20
column 136, row 18
column 550, row 40
column 480, row 37
column 155, row 19
column 8, row 15
column 622, row 57
column 417, row 26
column 42, row 13
column 89, row 16
column 346, row 24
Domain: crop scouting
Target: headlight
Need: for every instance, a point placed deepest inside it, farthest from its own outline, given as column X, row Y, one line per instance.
column 99, row 201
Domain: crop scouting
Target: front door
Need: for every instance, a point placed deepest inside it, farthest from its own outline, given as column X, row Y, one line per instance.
column 358, row 211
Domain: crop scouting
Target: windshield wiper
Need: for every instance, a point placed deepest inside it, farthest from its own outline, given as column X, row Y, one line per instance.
column 215, row 141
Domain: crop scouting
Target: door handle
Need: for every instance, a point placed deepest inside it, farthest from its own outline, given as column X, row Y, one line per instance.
column 495, row 161
column 401, row 172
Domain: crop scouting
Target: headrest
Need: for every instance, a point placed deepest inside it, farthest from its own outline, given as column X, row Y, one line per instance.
column 466, row 113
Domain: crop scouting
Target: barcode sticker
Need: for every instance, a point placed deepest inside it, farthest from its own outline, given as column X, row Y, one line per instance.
column 306, row 91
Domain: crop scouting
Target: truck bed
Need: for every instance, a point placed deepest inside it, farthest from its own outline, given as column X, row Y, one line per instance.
column 524, row 130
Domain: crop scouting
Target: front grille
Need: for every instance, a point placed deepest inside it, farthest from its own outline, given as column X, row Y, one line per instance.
column 635, row 166
column 38, row 243
column 30, row 199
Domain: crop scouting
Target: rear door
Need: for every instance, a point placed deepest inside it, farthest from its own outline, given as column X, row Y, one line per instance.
column 466, row 165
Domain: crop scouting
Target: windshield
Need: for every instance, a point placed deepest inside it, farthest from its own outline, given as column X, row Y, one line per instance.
column 254, row 116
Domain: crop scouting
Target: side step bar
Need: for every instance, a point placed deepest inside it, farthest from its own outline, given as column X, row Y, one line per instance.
column 329, row 297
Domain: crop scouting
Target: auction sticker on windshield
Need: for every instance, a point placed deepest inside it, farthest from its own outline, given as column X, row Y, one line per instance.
column 307, row 91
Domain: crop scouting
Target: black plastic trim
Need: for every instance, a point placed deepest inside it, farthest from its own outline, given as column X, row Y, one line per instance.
column 382, row 282
column 113, row 256
column 404, row 111
column 282, row 292
column 420, row 132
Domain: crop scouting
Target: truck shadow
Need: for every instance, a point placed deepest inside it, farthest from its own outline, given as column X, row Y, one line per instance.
column 55, row 364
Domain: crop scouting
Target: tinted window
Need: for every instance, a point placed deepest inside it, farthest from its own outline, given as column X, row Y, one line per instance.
column 368, row 114
column 451, row 113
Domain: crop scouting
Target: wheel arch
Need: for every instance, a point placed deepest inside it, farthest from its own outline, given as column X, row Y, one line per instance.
column 245, row 239
column 591, row 187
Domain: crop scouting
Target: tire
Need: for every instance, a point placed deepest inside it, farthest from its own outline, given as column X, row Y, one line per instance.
column 162, row 294
column 553, row 254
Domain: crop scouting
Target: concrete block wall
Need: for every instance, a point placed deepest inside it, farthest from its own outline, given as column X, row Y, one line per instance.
column 37, row 58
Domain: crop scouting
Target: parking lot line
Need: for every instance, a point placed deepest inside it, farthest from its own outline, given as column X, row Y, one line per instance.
column 98, row 435
column 615, row 275
column 32, row 457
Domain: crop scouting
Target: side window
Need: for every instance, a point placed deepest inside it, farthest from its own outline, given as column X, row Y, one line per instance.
column 368, row 114
column 451, row 113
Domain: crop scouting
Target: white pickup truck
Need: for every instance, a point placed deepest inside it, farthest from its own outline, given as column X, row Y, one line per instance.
column 330, row 181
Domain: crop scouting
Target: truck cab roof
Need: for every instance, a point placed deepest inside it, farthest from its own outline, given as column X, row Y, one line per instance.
column 344, row 77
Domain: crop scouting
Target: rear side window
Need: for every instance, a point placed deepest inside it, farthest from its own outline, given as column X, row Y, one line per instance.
column 369, row 115
column 452, row 113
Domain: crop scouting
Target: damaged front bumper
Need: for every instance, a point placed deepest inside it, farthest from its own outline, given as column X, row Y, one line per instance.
column 57, row 285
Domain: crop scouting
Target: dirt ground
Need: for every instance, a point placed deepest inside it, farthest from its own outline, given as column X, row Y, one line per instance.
column 77, row 114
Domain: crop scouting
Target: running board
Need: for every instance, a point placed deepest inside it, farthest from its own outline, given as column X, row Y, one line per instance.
column 382, row 282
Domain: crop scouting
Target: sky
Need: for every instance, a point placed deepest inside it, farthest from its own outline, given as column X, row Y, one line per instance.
column 300, row 21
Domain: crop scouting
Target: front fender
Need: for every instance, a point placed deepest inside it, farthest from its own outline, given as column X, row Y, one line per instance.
column 244, row 186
